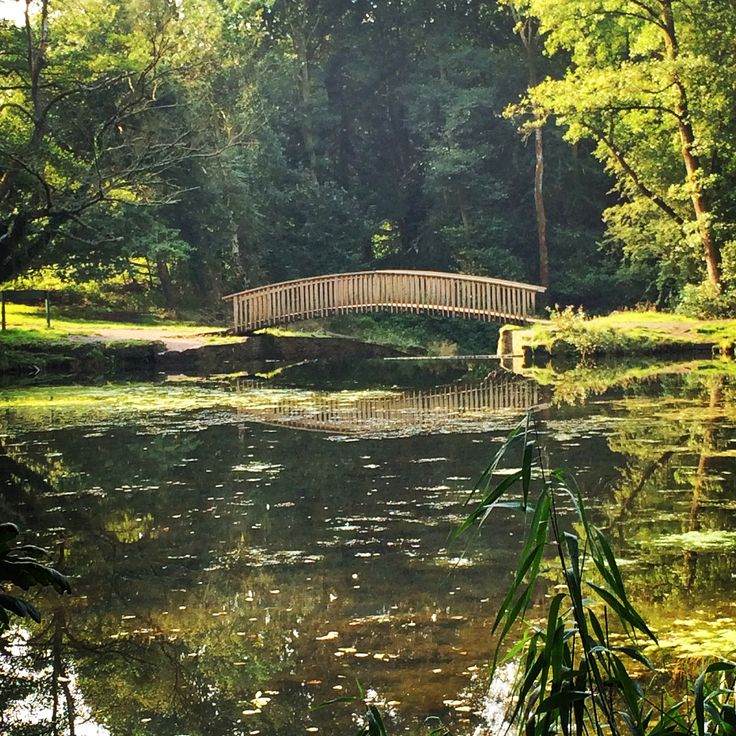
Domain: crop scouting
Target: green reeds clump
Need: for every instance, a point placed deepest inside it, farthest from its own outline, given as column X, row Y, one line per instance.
column 581, row 671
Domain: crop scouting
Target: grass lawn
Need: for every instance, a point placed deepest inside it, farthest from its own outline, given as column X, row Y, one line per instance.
column 26, row 327
column 21, row 318
column 631, row 332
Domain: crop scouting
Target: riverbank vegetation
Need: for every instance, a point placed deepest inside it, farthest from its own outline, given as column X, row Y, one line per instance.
column 571, row 333
column 586, row 668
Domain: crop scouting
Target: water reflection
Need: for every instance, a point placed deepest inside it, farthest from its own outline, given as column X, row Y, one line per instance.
column 452, row 408
column 231, row 574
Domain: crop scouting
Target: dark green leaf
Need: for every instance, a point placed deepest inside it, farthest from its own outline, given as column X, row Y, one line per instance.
column 8, row 531
column 19, row 607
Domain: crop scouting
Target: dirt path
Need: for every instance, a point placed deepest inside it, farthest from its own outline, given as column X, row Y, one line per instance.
column 167, row 335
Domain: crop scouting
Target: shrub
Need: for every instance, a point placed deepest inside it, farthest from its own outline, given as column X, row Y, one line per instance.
column 19, row 565
column 703, row 301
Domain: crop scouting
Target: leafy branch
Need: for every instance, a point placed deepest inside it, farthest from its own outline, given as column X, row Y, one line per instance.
column 20, row 566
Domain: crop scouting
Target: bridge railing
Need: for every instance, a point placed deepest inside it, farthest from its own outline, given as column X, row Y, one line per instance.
column 451, row 295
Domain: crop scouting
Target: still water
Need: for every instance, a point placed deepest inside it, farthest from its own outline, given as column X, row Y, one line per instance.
column 243, row 550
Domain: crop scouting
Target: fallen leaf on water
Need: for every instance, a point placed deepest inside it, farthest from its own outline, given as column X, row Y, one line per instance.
column 328, row 636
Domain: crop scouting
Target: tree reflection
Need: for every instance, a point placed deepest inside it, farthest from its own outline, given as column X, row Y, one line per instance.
column 676, row 489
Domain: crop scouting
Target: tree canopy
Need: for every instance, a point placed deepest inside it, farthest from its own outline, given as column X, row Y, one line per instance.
column 227, row 143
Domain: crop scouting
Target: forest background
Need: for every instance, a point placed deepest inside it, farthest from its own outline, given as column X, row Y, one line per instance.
column 171, row 151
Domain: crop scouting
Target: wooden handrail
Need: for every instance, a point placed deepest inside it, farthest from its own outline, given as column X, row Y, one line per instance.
column 434, row 292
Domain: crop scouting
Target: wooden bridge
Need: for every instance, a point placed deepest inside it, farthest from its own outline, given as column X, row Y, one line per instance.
column 431, row 292
column 460, row 407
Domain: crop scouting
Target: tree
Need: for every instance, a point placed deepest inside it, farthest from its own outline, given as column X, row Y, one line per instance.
column 90, row 96
column 644, row 84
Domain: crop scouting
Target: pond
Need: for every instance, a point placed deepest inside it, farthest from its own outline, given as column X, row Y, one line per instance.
column 244, row 549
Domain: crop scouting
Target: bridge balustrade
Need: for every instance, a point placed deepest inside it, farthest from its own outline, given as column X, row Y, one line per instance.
column 449, row 295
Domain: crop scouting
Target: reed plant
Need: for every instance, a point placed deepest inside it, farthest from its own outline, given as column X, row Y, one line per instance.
column 582, row 667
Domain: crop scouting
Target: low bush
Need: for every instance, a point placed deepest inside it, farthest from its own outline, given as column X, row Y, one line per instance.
column 703, row 301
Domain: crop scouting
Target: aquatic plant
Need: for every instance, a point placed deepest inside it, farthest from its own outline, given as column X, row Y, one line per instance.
column 582, row 670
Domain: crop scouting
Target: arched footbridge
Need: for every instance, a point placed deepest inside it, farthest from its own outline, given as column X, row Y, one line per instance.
column 429, row 292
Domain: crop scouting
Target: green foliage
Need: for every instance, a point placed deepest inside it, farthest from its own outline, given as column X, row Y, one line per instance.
column 644, row 82
column 583, row 669
column 704, row 302
column 436, row 335
column 573, row 333
column 19, row 566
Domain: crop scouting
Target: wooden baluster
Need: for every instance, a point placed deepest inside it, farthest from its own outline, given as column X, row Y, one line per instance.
column 512, row 301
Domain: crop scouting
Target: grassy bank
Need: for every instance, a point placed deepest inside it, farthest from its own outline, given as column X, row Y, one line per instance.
column 75, row 345
column 570, row 333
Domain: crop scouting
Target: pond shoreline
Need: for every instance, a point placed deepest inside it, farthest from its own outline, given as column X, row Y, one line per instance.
column 69, row 357
column 572, row 336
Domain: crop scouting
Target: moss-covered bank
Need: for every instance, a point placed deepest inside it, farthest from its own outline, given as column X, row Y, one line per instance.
column 74, row 358
column 65, row 357
column 571, row 334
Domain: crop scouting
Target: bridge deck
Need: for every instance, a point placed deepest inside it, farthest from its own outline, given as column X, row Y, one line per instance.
column 451, row 295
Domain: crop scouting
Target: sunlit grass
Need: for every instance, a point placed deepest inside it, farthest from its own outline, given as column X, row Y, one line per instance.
column 31, row 320
column 629, row 333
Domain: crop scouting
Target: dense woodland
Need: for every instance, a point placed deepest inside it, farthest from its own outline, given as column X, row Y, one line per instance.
column 189, row 148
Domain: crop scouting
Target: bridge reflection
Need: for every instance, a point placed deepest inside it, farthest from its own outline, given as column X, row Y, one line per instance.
column 461, row 407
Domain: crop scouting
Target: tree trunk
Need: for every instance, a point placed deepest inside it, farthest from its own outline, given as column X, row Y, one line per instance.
column 693, row 168
column 167, row 287
column 701, row 477
column 543, row 248
column 305, row 92
column 464, row 214
column 528, row 35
